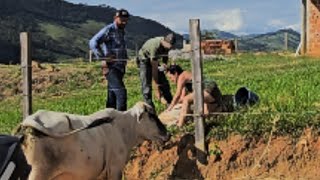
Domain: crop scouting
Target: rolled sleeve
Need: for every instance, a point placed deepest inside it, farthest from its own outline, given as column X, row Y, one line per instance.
column 97, row 45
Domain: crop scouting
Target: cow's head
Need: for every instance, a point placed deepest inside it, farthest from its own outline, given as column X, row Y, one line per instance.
column 149, row 127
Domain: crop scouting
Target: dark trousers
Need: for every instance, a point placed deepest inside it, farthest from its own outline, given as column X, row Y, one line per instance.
column 146, row 83
column 164, row 87
column 117, row 93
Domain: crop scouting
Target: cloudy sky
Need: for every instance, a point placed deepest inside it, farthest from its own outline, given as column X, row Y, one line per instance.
column 236, row 16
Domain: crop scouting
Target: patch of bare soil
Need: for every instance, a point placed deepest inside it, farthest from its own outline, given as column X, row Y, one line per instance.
column 240, row 158
column 44, row 76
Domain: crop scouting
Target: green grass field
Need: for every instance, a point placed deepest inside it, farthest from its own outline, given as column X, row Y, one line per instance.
column 287, row 86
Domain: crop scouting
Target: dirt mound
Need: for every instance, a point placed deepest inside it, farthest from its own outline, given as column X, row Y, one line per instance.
column 234, row 158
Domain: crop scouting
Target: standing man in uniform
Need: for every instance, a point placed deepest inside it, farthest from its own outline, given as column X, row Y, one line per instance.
column 109, row 45
column 149, row 54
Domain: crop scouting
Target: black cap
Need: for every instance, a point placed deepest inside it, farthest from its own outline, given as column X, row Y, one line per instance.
column 122, row 13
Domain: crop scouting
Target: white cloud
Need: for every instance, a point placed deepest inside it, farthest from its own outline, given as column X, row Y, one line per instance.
column 240, row 17
column 276, row 23
column 296, row 27
column 225, row 20
column 230, row 20
column 281, row 24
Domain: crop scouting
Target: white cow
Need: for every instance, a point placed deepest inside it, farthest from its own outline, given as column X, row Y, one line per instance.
column 56, row 150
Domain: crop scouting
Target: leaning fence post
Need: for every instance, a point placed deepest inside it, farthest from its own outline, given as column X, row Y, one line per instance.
column 286, row 41
column 236, row 45
column 90, row 56
column 198, row 89
column 25, row 41
column 303, row 27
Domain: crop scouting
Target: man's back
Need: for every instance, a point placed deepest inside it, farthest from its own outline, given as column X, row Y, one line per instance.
column 150, row 48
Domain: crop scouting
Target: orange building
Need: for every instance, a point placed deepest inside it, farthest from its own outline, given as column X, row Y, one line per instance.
column 310, row 34
column 217, row 46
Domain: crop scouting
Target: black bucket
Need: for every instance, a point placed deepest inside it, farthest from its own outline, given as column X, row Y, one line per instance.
column 244, row 97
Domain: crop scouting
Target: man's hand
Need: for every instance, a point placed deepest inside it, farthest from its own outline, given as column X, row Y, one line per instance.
column 165, row 66
column 162, row 68
column 169, row 108
column 110, row 57
column 105, row 71
column 104, row 67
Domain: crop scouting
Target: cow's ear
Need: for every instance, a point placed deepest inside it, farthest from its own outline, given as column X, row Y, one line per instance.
column 139, row 110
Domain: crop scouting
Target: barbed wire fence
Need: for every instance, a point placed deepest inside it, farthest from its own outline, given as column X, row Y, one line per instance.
column 27, row 89
column 41, row 96
column 27, row 66
column 65, row 63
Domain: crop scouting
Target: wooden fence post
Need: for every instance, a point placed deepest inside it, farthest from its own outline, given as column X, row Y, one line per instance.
column 286, row 41
column 303, row 27
column 136, row 49
column 90, row 56
column 236, row 45
column 26, row 72
column 198, row 89
column 308, row 15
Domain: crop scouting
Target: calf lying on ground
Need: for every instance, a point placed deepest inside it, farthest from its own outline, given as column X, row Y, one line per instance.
column 96, row 153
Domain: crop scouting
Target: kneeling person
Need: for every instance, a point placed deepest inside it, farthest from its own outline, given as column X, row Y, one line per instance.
column 184, row 94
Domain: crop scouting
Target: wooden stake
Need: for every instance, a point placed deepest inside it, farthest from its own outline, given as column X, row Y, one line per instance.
column 198, row 89
column 236, row 45
column 286, row 41
column 90, row 56
column 303, row 27
column 26, row 71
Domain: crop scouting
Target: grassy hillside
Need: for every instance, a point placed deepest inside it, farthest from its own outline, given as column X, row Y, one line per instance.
column 268, row 42
column 61, row 29
column 286, row 85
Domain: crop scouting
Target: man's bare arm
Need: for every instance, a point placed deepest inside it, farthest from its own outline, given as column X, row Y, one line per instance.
column 180, row 86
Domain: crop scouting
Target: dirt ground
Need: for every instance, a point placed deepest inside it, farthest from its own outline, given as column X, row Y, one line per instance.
column 44, row 76
column 234, row 158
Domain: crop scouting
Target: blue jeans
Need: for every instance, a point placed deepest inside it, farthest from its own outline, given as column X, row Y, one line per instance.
column 117, row 93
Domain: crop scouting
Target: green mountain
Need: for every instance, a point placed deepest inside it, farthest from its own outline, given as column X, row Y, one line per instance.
column 61, row 29
column 270, row 41
column 219, row 34
column 273, row 41
column 213, row 34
